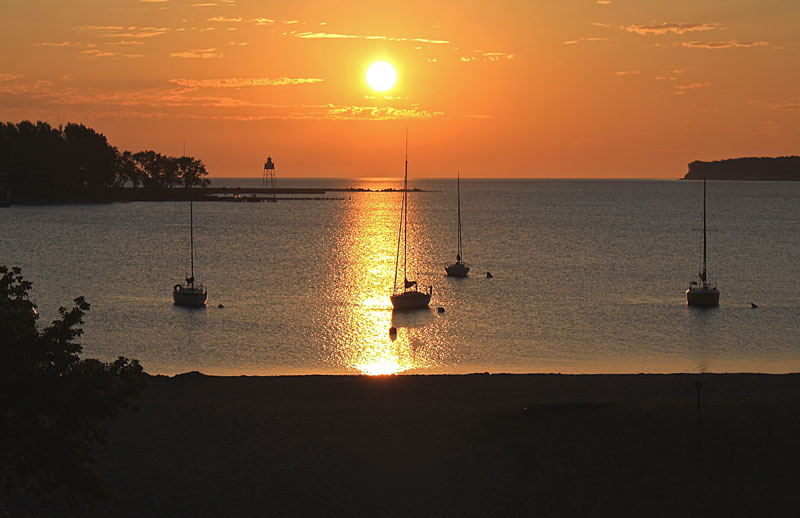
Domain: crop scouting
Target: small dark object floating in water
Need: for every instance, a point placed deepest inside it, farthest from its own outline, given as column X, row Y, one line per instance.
column 440, row 309
column 220, row 306
column 489, row 275
column 392, row 332
column 753, row 304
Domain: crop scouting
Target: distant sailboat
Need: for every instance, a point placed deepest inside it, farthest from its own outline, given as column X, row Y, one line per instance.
column 410, row 297
column 704, row 293
column 458, row 268
column 191, row 294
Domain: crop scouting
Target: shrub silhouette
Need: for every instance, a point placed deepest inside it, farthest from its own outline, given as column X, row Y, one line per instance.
column 53, row 404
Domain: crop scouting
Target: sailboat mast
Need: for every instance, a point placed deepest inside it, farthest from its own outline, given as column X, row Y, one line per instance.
column 458, row 190
column 191, row 235
column 405, row 213
column 704, row 230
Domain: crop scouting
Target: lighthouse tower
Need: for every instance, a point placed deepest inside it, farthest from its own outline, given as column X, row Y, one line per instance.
column 268, row 180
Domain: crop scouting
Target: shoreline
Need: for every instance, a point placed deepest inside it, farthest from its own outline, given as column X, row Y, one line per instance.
column 457, row 445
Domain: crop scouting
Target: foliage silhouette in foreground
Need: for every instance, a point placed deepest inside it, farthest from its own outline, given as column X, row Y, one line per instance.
column 53, row 404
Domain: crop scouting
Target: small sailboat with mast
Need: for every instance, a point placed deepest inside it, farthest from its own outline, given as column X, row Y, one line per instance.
column 410, row 297
column 192, row 294
column 705, row 292
column 458, row 268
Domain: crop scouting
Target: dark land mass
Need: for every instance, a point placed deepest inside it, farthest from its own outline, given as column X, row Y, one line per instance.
column 785, row 168
column 474, row 445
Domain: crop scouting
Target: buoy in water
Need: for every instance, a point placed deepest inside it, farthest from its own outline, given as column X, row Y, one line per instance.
column 489, row 275
column 440, row 309
column 392, row 332
column 753, row 304
column 220, row 306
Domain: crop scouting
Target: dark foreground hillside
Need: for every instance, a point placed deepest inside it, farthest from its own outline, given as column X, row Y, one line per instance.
column 480, row 445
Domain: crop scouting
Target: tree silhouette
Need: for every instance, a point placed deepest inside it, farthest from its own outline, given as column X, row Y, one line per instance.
column 39, row 162
column 52, row 402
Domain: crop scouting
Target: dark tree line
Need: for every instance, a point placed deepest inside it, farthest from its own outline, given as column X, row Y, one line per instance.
column 38, row 161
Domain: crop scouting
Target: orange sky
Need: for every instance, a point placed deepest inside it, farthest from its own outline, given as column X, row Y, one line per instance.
column 572, row 88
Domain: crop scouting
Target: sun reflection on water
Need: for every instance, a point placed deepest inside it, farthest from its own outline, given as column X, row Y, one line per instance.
column 361, row 316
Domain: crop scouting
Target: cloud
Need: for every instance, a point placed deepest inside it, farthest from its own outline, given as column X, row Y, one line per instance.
column 154, row 1
column 102, row 28
column 60, row 44
column 262, row 21
column 603, row 2
column 92, row 53
column 786, row 104
column 223, row 19
column 181, row 103
column 682, row 89
column 723, row 44
column 243, row 82
column 122, row 43
column 628, row 73
column 133, row 34
column 674, row 28
column 324, row 35
column 495, row 56
column 320, row 35
column 588, row 38
column 209, row 4
column 197, row 54
column 376, row 113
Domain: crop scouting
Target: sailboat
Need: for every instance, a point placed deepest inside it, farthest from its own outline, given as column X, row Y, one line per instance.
column 410, row 297
column 458, row 268
column 705, row 292
column 191, row 294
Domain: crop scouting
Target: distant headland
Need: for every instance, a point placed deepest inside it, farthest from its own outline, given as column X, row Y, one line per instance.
column 784, row 168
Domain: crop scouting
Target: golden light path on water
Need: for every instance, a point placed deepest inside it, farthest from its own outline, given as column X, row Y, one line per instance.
column 359, row 320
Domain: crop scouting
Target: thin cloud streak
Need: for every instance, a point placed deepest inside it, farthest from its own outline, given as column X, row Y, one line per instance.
column 243, row 82
column 682, row 89
column 327, row 35
column 723, row 44
column 673, row 28
column 787, row 104
column 197, row 54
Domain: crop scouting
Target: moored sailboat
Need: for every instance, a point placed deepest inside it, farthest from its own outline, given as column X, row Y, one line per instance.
column 191, row 294
column 458, row 268
column 705, row 292
column 410, row 297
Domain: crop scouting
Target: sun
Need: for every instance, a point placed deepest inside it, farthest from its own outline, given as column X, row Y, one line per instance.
column 381, row 76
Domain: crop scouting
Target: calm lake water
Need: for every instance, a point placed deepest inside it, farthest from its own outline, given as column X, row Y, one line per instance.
column 589, row 277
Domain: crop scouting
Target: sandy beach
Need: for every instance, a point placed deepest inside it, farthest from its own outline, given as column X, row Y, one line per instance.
column 473, row 445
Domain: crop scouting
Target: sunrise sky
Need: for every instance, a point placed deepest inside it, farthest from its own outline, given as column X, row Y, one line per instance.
column 567, row 88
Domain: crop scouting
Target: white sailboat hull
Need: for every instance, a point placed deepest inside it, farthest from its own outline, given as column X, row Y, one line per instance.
column 189, row 295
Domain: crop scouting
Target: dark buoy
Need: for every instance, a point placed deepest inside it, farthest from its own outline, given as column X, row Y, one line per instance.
column 392, row 332
column 753, row 304
column 440, row 309
column 220, row 306
column 489, row 275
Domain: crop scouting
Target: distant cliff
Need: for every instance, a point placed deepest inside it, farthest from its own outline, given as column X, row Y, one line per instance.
column 781, row 168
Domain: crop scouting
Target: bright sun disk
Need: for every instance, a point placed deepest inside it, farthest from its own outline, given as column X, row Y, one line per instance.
column 381, row 76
